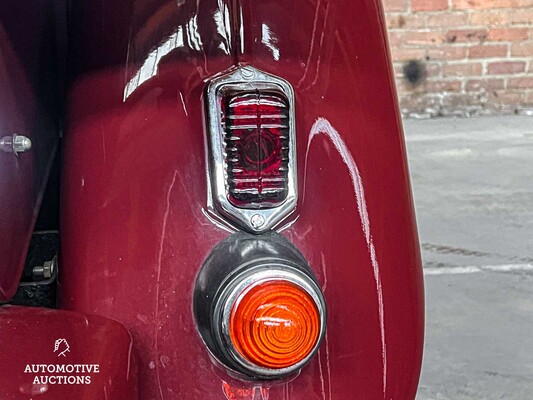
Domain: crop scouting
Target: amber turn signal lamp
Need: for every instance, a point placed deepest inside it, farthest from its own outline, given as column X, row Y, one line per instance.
column 274, row 324
column 258, row 307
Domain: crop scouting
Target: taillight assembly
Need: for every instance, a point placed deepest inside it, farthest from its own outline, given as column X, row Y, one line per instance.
column 258, row 307
column 252, row 155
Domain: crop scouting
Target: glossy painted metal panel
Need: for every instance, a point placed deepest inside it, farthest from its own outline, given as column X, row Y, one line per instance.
column 90, row 339
column 354, row 185
column 28, row 88
column 135, row 227
column 134, row 172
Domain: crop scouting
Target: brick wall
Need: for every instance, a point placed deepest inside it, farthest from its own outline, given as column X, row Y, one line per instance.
column 462, row 57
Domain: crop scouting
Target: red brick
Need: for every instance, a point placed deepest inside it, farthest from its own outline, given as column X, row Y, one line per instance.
column 395, row 5
column 429, row 5
column 488, row 51
column 508, row 34
column 404, row 21
column 520, row 17
column 489, row 18
column 529, row 97
column 433, row 69
column 475, row 85
column 406, row 87
column 423, row 38
column 403, row 54
column 446, row 20
column 463, row 69
column 499, row 17
column 443, row 86
column 508, row 98
column 506, row 67
column 466, row 35
column 520, row 83
column 486, row 4
column 447, row 53
column 395, row 39
column 522, row 49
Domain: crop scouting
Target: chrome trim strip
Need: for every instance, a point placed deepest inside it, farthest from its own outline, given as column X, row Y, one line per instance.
column 254, row 220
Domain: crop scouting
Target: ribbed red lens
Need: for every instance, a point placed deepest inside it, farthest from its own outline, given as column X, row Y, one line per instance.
column 256, row 126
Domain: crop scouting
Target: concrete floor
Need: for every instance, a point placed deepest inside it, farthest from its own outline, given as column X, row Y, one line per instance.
column 473, row 186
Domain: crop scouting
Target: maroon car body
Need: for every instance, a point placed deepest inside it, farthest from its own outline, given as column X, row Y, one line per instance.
column 135, row 225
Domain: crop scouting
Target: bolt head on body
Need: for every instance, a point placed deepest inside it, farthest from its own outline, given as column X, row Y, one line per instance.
column 257, row 221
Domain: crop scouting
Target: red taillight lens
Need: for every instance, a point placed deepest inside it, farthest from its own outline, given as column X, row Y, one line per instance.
column 275, row 324
column 256, row 127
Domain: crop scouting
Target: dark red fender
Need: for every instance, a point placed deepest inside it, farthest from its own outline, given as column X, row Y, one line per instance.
column 135, row 228
column 356, row 225
column 92, row 340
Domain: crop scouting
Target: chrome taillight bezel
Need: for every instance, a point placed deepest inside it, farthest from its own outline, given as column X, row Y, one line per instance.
column 242, row 79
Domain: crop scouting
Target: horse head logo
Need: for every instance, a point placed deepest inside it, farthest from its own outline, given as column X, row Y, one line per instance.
column 62, row 346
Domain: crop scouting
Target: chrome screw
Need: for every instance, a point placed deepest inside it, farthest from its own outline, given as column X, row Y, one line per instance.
column 257, row 221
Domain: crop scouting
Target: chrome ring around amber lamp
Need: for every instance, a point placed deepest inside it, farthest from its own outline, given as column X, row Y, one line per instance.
column 272, row 319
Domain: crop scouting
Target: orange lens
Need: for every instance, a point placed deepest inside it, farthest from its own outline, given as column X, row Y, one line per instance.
column 275, row 324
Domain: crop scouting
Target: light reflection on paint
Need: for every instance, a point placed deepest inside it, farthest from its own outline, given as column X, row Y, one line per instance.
column 150, row 65
column 193, row 36
column 323, row 126
column 223, row 23
column 269, row 40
